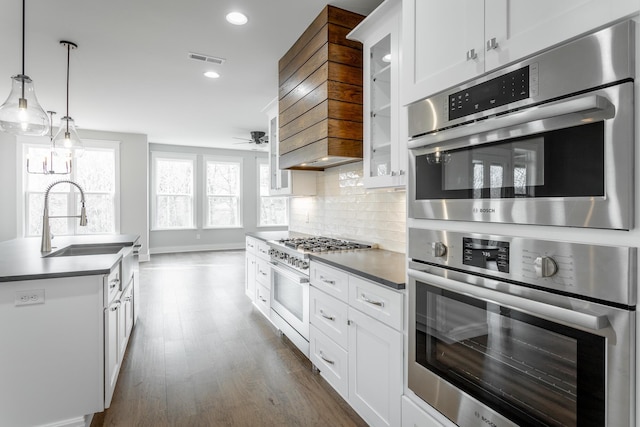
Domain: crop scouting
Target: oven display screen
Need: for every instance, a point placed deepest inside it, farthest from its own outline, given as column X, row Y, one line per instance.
column 488, row 254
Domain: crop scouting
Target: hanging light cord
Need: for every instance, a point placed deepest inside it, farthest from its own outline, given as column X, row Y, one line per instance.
column 68, row 62
column 23, row 43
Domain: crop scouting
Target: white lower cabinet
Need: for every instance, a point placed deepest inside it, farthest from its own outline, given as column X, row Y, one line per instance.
column 263, row 299
column 250, row 268
column 331, row 360
column 375, row 370
column 356, row 342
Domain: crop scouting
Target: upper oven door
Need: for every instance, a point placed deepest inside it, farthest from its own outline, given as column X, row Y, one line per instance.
column 565, row 163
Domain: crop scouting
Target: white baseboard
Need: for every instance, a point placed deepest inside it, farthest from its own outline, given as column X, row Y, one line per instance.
column 197, row 248
column 73, row 422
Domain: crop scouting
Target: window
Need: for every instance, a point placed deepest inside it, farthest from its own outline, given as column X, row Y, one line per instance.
column 97, row 172
column 223, row 183
column 173, row 191
column 272, row 210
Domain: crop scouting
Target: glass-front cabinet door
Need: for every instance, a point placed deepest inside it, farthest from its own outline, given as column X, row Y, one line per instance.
column 385, row 149
column 379, row 150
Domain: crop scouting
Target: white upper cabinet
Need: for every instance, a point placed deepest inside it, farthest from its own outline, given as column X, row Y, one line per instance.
column 448, row 43
column 284, row 182
column 385, row 150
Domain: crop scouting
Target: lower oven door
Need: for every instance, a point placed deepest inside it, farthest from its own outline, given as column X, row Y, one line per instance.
column 290, row 297
column 484, row 357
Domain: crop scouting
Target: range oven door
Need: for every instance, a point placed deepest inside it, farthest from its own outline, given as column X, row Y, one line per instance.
column 290, row 298
column 487, row 357
column 565, row 163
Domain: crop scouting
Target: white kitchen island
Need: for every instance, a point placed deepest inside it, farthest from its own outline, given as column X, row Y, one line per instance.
column 64, row 325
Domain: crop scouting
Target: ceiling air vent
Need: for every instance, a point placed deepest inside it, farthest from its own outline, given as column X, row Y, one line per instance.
column 206, row 58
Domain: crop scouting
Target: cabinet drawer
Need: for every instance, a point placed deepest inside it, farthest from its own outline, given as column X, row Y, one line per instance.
column 329, row 315
column 262, row 301
column 331, row 280
column 331, row 360
column 381, row 303
column 262, row 250
column 263, row 272
column 251, row 244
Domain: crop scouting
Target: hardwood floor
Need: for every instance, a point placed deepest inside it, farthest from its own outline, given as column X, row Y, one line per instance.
column 201, row 355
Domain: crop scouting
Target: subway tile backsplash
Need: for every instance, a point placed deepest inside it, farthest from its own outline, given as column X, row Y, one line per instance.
column 343, row 208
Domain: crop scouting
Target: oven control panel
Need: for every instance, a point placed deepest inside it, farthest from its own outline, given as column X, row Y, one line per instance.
column 502, row 90
column 597, row 271
column 487, row 254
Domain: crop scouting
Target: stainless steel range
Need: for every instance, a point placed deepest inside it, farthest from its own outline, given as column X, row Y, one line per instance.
column 290, row 282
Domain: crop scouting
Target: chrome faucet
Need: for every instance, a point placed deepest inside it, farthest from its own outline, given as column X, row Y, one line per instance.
column 46, row 231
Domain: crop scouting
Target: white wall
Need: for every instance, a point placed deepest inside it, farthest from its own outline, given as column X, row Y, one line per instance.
column 164, row 241
column 8, row 209
column 343, row 208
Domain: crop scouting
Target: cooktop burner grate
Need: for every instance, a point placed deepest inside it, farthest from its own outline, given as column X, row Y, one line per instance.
column 321, row 244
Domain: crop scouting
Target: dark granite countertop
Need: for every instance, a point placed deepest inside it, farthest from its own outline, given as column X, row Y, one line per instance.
column 21, row 259
column 385, row 267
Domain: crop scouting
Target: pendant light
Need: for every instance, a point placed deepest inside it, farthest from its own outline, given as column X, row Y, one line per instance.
column 67, row 143
column 21, row 114
column 46, row 166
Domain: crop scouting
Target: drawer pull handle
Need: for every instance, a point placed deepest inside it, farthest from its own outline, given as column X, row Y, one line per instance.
column 262, row 272
column 332, row 318
column 331, row 362
column 115, row 306
column 330, row 282
column 262, row 299
column 114, row 283
column 372, row 302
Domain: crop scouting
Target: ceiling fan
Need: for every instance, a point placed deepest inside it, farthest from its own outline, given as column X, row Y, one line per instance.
column 257, row 137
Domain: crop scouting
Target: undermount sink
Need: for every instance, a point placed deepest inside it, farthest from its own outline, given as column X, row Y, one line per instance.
column 79, row 250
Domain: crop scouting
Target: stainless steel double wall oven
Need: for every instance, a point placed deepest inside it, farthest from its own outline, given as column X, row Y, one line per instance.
column 506, row 330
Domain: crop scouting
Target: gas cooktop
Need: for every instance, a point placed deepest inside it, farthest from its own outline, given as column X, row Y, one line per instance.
column 320, row 244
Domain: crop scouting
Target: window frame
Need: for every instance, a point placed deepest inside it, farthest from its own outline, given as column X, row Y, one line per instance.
column 168, row 155
column 205, row 196
column 23, row 207
column 259, row 163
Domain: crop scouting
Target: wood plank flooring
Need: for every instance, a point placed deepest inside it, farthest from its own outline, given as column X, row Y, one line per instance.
column 201, row 355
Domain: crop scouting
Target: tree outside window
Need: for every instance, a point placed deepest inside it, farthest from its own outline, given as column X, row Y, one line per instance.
column 223, row 193
column 273, row 210
column 173, row 185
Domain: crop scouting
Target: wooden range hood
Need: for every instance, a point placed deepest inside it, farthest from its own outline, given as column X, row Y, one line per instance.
column 320, row 95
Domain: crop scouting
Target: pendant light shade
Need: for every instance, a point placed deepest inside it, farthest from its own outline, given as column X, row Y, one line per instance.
column 21, row 114
column 67, row 143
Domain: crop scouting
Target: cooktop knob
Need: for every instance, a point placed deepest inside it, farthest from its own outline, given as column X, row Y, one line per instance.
column 438, row 249
column 545, row 266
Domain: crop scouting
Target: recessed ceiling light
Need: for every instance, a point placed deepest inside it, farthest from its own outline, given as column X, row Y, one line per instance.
column 211, row 74
column 237, row 18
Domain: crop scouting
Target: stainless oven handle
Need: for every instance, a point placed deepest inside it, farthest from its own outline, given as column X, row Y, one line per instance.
column 298, row 278
column 586, row 106
column 532, row 307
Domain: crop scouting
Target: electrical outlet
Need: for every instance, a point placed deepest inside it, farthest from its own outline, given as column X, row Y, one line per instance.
column 34, row 296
